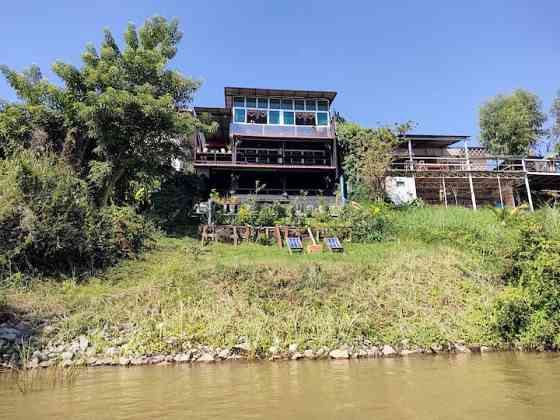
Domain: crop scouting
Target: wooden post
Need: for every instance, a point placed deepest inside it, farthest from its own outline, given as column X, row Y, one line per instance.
column 278, row 236
column 235, row 237
column 500, row 190
column 527, row 186
column 410, row 154
column 473, row 198
column 444, row 191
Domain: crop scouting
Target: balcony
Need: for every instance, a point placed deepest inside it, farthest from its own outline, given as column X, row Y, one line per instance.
column 268, row 158
column 281, row 131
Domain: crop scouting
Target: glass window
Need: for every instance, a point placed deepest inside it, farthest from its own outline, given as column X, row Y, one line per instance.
column 239, row 102
column 251, row 102
column 323, row 105
column 287, row 104
column 274, row 117
column 239, row 115
column 262, row 103
column 322, row 118
column 288, row 118
column 275, row 103
column 309, row 105
column 300, row 104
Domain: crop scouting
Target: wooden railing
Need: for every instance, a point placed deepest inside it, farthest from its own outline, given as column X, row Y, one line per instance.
column 269, row 156
column 454, row 164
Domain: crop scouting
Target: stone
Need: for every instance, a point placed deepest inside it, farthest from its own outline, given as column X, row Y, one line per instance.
column 297, row 356
column 157, row 359
column 138, row 361
column 67, row 363
column 436, row 348
column 33, row 363
column 224, row 354
column 9, row 334
column 388, row 351
column 40, row 355
column 485, row 349
column 45, row 364
column 461, row 348
column 309, row 354
column 293, row 348
column 273, row 350
column 321, row 353
column 112, row 351
column 339, row 354
column 242, row 348
column 183, row 357
column 67, row 355
column 235, row 357
column 408, row 352
column 83, row 342
column 206, row 358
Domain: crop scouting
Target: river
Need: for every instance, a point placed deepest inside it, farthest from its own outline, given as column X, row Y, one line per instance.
column 489, row 386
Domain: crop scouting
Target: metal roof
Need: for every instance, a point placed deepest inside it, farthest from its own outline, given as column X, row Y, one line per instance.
column 283, row 93
column 433, row 140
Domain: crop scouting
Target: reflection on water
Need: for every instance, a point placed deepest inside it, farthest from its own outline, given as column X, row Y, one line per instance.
column 488, row 386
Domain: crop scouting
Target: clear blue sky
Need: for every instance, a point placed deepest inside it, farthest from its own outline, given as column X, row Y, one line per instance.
column 433, row 62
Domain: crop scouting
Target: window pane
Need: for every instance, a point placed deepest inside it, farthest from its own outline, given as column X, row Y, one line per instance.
column 323, row 105
column 310, row 105
column 251, row 102
column 239, row 102
column 275, row 103
column 322, row 118
column 300, row 104
column 274, row 117
column 287, row 104
column 239, row 115
column 262, row 103
column 288, row 118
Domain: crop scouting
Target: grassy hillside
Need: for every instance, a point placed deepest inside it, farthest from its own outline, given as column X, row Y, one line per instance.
column 434, row 281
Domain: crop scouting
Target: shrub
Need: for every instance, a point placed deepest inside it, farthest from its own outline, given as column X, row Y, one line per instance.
column 48, row 224
column 512, row 310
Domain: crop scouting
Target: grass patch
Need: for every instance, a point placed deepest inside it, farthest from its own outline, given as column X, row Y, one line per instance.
column 420, row 288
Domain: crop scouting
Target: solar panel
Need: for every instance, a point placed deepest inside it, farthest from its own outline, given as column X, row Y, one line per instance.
column 334, row 244
column 294, row 244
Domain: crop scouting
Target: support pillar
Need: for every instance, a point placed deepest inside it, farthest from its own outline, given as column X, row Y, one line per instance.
column 444, row 191
column 527, row 186
column 500, row 190
column 471, row 186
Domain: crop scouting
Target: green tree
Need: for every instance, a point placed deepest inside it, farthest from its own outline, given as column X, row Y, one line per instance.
column 513, row 124
column 367, row 154
column 555, row 130
column 117, row 119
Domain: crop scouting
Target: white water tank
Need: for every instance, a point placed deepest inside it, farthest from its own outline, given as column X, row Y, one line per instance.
column 400, row 189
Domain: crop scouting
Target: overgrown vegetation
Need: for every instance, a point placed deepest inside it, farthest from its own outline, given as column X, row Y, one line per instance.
column 82, row 162
column 442, row 275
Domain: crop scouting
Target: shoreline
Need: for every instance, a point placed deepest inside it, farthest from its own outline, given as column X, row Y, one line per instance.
column 242, row 352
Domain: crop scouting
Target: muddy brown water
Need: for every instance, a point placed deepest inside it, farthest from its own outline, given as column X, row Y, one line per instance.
column 488, row 386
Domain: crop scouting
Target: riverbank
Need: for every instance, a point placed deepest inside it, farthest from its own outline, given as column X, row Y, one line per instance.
column 429, row 289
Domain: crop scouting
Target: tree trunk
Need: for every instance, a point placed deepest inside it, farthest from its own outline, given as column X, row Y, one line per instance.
column 109, row 186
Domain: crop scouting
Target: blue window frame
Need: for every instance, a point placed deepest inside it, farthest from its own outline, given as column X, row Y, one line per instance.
column 288, row 118
column 251, row 102
column 275, row 103
column 310, row 105
column 274, row 117
column 262, row 103
column 322, row 105
column 239, row 102
column 287, row 104
column 239, row 115
column 322, row 118
column 300, row 104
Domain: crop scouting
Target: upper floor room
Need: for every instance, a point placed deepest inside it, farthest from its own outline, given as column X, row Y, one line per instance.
column 279, row 112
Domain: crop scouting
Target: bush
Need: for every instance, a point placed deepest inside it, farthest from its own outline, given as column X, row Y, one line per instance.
column 369, row 223
column 534, row 274
column 512, row 310
column 48, row 224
